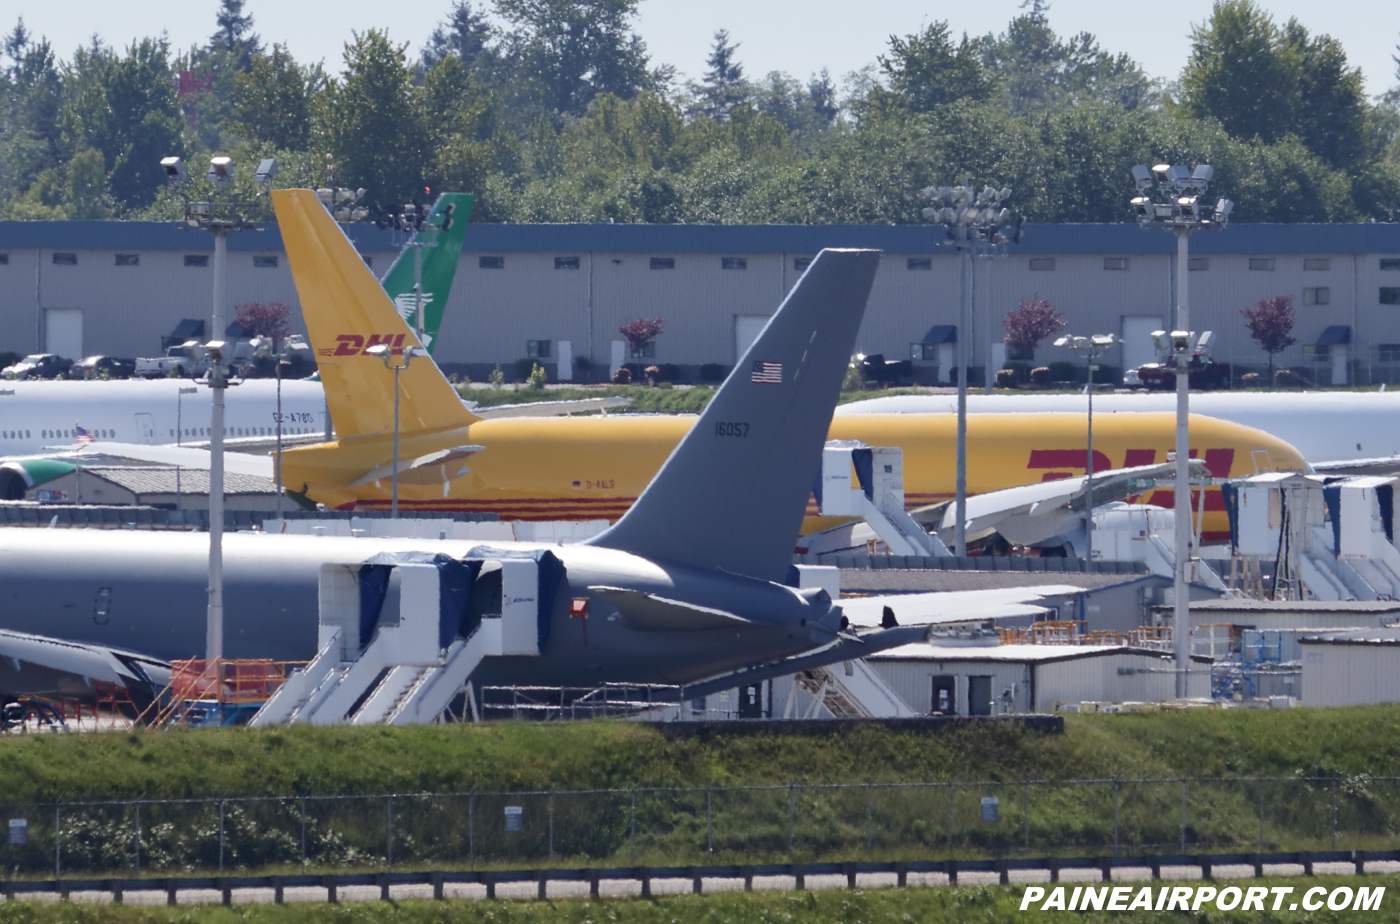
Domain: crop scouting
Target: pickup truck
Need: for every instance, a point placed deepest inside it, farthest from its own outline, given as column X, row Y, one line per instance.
column 187, row 360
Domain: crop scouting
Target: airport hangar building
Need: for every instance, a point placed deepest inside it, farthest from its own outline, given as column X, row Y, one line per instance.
column 561, row 291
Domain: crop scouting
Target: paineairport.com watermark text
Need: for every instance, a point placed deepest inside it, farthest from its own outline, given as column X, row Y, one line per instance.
column 1201, row 898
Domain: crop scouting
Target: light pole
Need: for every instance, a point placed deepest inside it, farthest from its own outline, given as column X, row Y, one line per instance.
column 1091, row 348
column 266, row 348
column 975, row 222
column 220, row 216
column 1182, row 213
column 405, row 356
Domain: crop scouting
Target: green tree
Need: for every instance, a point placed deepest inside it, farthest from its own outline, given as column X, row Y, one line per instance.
column 234, row 33
column 1262, row 81
column 273, row 100
column 928, row 69
column 126, row 108
column 722, row 87
column 563, row 53
column 465, row 34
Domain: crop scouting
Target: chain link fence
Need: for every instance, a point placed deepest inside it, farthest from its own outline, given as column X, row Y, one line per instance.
column 754, row 824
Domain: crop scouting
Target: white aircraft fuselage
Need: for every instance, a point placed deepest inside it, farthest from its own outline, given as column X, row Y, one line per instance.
column 36, row 415
column 1325, row 426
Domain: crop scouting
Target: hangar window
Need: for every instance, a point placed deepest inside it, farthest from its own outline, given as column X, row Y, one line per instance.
column 1321, row 295
column 1042, row 264
column 65, row 259
column 1388, row 353
column 734, row 263
column 1265, row 264
column 128, row 259
column 1195, row 264
column 920, row 263
column 4, row 259
column 196, row 259
column 268, row 262
column 1390, row 263
column 1115, row 263
column 801, row 263
column 663, row 262
column 491, row 263
column 1316, row 353
column 1390, row 295
column 1314, row 264
column 566, row 262
column 537, row 349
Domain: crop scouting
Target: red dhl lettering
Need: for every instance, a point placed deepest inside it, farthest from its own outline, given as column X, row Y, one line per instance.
column 355, row 345
column 1219, row 461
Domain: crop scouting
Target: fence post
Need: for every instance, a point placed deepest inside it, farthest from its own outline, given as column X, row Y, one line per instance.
column 632, row 842
column 709, row 823
column 57, row 843
column 1183, row 816
column 1115, row 816
column 551, row 827
column 389, row 831
column 1334, row 813
column 1261, row 813
column 138, row 839
column 221, row 837
column 303, row 834
column 792, row 814
column 869, row 818
column 471, row 828
column 1026, row 811
column 950, row 813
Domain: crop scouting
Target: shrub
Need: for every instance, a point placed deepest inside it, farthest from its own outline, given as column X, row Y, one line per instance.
column 1006, row 378
column 1040, row 376
column 1108, row 375
column 668, row 372
column 522, row 370
column 715, row 372
column 1250, row 380
column 1291, row 378
column 497, row 377
column 538, row 377
column 1063, row 371
column 623, row 376
column 1021, row 372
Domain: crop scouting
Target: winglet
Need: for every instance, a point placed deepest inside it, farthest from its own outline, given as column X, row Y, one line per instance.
column 733, row 493
column 346, row 312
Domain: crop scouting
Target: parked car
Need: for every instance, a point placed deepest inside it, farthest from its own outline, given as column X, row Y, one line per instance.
column 38, row 366
column 1203, row 375
column 876, row 369
column 102, row 367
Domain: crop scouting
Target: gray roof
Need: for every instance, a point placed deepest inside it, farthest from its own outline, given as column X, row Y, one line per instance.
column 1124, row 238
column 888, row 580
column 190, row 480
column 1354, row 637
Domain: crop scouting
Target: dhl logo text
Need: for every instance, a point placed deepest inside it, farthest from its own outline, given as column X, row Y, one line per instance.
column 355, row 345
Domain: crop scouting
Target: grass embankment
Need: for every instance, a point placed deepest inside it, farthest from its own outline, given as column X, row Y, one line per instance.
column 644, row 400
column 696, row 826
column 986, row 905
column 1347, row 743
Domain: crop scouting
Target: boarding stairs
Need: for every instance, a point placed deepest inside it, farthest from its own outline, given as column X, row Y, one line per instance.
column 850, row 690
column 868, row 482
column 401, row 676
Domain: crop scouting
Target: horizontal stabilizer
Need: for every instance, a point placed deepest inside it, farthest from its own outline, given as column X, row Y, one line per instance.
column 258, row 466
column 649, row 612
column 433, row 468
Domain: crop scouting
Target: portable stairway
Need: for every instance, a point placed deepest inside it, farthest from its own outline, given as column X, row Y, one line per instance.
column 868, row 482
column 1331, row 537
column 403, row 674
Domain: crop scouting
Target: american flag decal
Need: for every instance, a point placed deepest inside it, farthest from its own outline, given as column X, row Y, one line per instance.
column 767, row 373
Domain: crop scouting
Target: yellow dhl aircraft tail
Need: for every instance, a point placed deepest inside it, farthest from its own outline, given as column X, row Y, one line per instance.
column 346, row 313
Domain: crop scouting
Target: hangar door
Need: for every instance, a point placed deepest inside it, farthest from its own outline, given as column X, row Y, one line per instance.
column 1137, row 340
column 63, row 332
column 747, row 327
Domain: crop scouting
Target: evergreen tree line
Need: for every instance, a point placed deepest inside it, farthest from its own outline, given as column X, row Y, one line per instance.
column 553, row 110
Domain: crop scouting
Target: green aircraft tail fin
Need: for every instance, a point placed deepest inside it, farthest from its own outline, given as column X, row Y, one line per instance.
column 440, row 256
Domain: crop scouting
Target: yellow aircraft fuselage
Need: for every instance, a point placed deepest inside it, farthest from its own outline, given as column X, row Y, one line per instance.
column 561, row 468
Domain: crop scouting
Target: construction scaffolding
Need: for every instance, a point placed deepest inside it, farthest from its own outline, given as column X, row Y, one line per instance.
column 219, row 692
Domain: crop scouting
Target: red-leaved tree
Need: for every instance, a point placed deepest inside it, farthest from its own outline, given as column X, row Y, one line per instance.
column 1029, row 324
column 261, row 320
column 1270, row 323
column 639, row 333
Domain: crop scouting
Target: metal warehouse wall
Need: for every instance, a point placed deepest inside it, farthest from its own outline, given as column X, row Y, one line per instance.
column 1350, row 674
column 493, row 312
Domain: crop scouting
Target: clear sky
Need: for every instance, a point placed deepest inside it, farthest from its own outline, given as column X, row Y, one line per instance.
column 799, row 38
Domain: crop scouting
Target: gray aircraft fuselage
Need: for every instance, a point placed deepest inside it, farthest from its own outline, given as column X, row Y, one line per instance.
column 147, row 592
